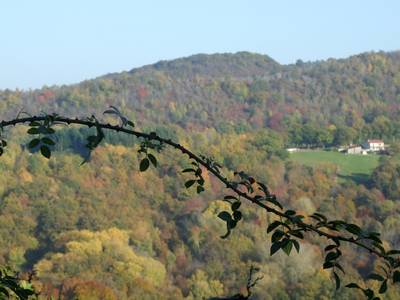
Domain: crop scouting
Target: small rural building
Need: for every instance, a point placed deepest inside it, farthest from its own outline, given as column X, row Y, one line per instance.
column 356, row 150
column 374, row 145
column 291, row 150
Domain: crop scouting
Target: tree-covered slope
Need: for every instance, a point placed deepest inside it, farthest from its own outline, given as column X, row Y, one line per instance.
column 106, row 230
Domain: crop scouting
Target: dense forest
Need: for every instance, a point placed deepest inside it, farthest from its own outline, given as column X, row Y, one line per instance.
column 104, row 230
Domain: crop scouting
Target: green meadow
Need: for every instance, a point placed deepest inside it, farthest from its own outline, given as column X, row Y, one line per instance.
column 351, row 166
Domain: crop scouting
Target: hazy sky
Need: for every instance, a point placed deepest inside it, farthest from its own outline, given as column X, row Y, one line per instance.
column 46, row 42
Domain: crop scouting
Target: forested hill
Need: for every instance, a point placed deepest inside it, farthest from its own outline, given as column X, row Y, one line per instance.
column 105, row 230
column 333, row 101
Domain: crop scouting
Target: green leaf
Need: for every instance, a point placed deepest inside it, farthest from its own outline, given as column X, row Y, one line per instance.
column 48, row 141
column 33, row 143
column 330, row 247
column 237, row 215
column 393, row 252
column 375, row 276
column 153, row 159
column 296, row 233
column 332, row 256
column 337, row 280
column 224, row 215
column 49, row 130
column 189, row 183
column 228, row 232
column 34, row 124
column 200, row 189
column 277, row 235
column 328, row 265
column 287, row 246
column 275, row 247
column 353, row 286
column 45, row 151
column 383, row 287
column 230, row 197
column 396, row 276
column 273, row 225
column 353, row 228
column 235, row 205
column 369, row 293
column 231, row 223
column 319, row 217
column 290, row 212
column 33, row 130
column 296, row 245
column 144, row 164
column 3, row 291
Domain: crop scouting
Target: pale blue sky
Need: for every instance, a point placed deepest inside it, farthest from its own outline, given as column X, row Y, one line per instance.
column 46, row 42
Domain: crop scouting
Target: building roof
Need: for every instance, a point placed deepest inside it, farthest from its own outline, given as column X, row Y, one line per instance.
column 375, row 141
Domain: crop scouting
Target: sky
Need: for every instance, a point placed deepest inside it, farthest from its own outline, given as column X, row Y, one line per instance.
column 47, row 42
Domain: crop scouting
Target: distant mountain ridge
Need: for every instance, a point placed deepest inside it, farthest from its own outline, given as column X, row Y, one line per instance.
column 240, row 92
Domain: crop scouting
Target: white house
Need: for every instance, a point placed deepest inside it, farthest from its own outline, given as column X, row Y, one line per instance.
column 374, row 145
column 291, row 150
column 354, row 149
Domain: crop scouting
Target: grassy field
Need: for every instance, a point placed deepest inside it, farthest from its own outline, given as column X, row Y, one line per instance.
column 351, row 166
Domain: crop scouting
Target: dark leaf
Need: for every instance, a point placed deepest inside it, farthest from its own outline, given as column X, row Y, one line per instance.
column 236, row 205
column 332, row 256
column 287, row 246
column 275, row 247
column 396, row 276
column 353, row 228
column 144, row 164
column 33, row 130
column 33, row 143
column 296, row 245
column 228, row 232
column 45, row 151
column 231, row 223
column 153, row 159
column 48, row 141
column 34, row 124
column 49, row 130
column 273, row 225
column 328, row 265
column 383, row 287
column 330, row 247
column 369, row 293
column 290, row 212
column 237, row 215
column 228, row 197
column 375, row 276
column 277, row 235
column 353, row 286
column 337, row 280
column 200, row 189
column 3, row 291
column 224, row 215
column 188, row 170
column 189, row 183
column 296, row 233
